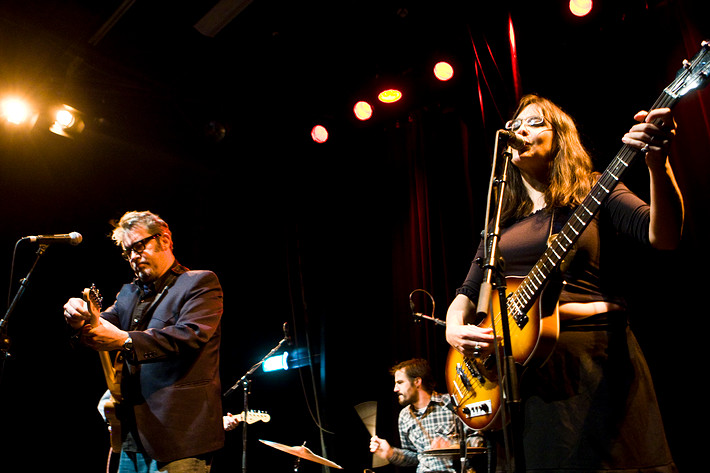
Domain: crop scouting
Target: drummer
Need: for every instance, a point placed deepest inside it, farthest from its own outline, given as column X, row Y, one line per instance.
column 427, row 421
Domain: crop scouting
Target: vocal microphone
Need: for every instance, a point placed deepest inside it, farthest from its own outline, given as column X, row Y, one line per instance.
column 73, row 238
column 513, row 140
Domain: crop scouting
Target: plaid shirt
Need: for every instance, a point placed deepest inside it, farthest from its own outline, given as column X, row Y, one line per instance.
column 439, row 420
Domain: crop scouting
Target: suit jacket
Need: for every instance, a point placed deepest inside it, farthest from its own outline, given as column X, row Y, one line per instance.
column 171, row 384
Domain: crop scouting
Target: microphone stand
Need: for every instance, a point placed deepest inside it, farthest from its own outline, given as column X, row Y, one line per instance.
column 245, row 382
column 492, row 267
column 4, row 339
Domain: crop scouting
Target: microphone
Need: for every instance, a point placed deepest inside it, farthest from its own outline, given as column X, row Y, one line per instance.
column 73, row 238
column 513, row 140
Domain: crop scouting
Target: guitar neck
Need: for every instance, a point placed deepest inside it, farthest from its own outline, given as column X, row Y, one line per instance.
column 109, row 372
column 533, row 284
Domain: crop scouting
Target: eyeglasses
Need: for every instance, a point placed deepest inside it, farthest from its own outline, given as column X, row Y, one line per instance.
column 533, row 120
column 138, row 246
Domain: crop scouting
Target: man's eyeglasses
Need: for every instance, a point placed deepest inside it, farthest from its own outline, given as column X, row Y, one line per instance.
column 138, row 246
column 534, row 120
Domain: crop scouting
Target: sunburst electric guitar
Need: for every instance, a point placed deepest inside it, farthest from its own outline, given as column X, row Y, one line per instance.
column 111, row 369
column 533, row 323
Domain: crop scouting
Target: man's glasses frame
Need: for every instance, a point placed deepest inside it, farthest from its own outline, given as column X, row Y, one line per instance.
column 138, row 246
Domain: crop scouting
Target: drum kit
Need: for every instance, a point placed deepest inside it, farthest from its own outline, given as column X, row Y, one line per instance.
column 306, row 454
column 367, row 412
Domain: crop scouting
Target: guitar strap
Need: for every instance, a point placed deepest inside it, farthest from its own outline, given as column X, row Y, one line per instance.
column 141, row 314
column 419, row 423
column 416, row 418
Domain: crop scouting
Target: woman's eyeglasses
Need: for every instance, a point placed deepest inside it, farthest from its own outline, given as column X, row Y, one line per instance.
column 534, row 120
column 138, row 246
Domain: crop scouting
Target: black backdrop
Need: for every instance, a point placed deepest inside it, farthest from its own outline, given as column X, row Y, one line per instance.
column 331, row 238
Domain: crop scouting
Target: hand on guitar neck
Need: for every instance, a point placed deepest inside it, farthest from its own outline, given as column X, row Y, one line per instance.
column 84, row 313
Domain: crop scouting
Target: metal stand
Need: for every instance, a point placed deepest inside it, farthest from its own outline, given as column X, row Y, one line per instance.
column 493, row 277
column 244, row 381
column 4, row 339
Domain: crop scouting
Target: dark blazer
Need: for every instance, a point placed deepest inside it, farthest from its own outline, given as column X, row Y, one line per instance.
column 171, row 384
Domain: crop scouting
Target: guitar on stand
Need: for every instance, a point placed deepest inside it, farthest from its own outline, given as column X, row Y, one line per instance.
column 112, row 372
column 529, row 317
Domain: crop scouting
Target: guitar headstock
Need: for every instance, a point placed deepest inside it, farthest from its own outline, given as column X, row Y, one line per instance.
column 254, row 416
column 93, row 302
column 693, row 75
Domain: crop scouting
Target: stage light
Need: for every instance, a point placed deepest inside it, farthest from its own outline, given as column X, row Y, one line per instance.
column 319, row 134
column 67, row 122
column 389, row 95
column 443, row 71
column 276, row 362
column 580, row 7
column 362, row 110
column 17, row 111
column 286, row 361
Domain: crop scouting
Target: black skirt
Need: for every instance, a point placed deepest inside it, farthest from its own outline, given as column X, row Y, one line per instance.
column 592, row 406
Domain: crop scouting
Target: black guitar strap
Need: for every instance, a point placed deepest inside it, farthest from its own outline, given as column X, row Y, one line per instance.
column 141, row 314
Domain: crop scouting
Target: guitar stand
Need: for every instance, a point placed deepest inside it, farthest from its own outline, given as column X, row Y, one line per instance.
column 244, row 381
column 493, row 269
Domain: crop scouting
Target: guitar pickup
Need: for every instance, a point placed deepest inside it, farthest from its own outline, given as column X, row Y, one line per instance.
column 477, row 409
column 521, row 319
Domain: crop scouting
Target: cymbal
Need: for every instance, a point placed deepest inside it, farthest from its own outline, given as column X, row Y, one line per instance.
column 454, row 452
column 301, row 452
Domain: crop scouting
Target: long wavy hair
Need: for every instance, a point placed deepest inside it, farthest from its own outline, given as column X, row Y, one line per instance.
column 571, row 174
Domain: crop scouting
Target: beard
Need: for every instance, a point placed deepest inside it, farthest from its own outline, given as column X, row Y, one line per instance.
column 404, row 401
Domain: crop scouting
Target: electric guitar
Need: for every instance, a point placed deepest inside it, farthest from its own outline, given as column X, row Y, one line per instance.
column 111, row 369
column 532, row 318
column 251, row 417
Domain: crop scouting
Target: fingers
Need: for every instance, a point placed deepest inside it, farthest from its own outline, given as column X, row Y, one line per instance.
column 374, row 444
column 652, row 135
column 75, row 312
column 471, row 340
column 230, row 422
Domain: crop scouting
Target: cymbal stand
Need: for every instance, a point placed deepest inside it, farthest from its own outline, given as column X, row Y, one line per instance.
column 244, row 381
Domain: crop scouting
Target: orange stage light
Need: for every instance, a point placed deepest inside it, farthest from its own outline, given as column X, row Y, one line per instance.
column 443, row 71
column 580, row 7
column 389, row 96
column 319, row 134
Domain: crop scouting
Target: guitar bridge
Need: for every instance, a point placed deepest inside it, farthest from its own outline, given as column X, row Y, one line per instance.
column 462, row 376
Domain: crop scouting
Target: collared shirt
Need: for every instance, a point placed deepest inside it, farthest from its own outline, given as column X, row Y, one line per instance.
column 418, row 429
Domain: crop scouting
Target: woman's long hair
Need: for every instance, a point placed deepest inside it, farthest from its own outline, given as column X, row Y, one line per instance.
column 571, row 170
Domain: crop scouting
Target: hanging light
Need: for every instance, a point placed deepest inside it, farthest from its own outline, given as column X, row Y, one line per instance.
column 319, row 134
column 580, row 7
column 362, row 110
column 389, row 96
column 443, row 71
column 67, row 121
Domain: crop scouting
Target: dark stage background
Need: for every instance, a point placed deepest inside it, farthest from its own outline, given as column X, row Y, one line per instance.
column 212, row 133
